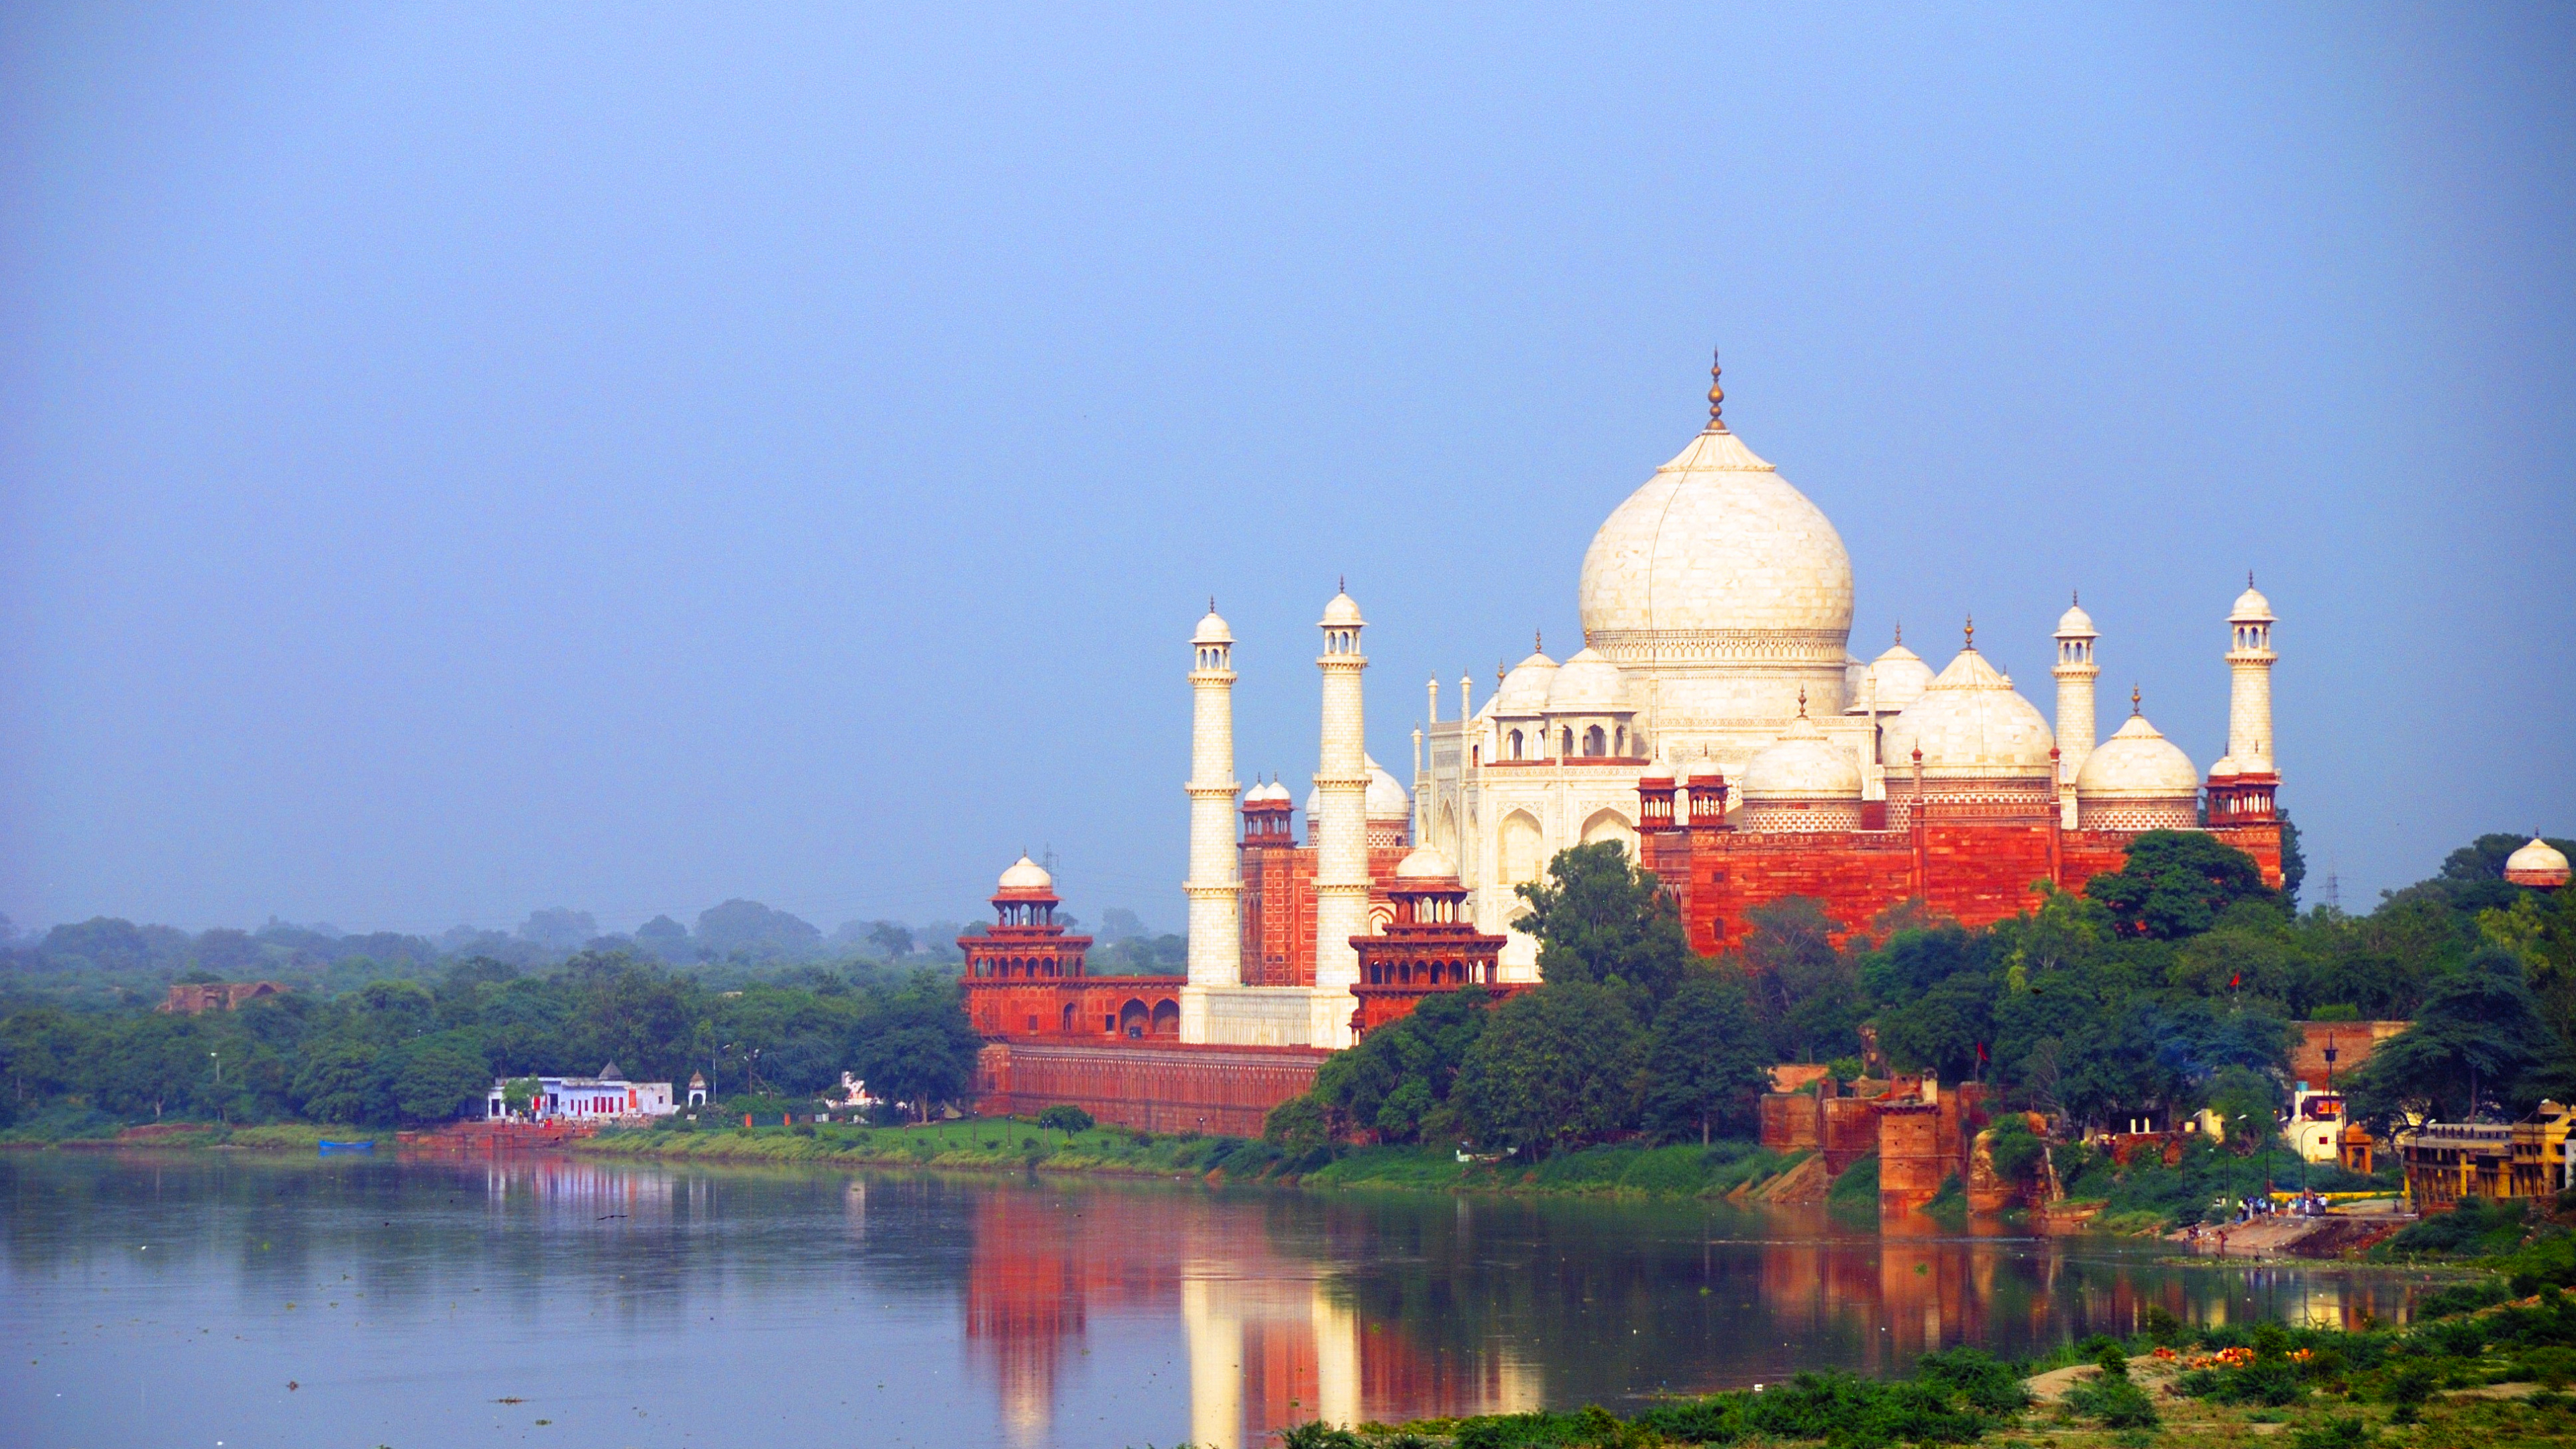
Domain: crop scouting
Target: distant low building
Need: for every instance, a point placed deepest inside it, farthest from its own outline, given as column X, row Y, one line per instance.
column 190, row 998
column 605, row 1097
column 2448, row 1161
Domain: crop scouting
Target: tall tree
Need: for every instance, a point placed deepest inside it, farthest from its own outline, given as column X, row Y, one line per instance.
column 1555, row 1069
column 1707, row 1062
column 1600, row 919
column 2177, row 883
column 2476, row 1037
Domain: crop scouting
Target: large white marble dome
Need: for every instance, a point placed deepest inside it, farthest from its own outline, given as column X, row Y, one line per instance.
column 1721, row 591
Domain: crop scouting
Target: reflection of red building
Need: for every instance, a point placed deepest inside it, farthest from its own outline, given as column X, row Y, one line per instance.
column 1024, row 976
column 1428, row 945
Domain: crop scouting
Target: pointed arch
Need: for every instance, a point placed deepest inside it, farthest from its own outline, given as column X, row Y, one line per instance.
column 1521, row 848
column 1611, row 825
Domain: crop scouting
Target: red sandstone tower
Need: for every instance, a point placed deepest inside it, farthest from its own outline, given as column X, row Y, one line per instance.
column 1428, row 946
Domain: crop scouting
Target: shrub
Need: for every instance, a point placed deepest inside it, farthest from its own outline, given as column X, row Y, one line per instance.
column 2461, row 1298
column 2115, row 1402
column 2333, row 1434
column 1067, row 1118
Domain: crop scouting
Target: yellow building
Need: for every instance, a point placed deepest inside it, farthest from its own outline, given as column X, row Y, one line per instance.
column 2448, row 1161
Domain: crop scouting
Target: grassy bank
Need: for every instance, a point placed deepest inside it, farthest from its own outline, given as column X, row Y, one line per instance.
column 1007, row 1144
column 2493, row 1376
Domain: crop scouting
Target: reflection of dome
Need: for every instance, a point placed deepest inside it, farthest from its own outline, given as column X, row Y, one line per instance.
column 1902, row 677
column 1802, row 765
column 1970, row 723
column 1212, row 629
column 1386, row 799
column 1426, row 864
column 1717, row 540
column 2136, row 763
column 1524, row 690
column 1027, row 875
column 1587, row 684
column 2537, row 864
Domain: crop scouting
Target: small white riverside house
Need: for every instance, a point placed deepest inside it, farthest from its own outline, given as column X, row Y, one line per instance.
column 583, row 1099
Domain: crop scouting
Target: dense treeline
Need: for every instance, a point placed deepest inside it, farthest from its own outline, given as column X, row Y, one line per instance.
column 409, row 1051
column 108, row 961
column 2168, row 986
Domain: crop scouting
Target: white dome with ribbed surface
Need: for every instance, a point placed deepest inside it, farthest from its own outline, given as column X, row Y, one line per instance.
column 1717, row 540
column 1900, row 677
column 1802, row 765
column 1027, row 875
column 1524, row 690
column 2136, row 763
column 1970, row 724
column 1587, row 684
column 1426, row 864
column 2537, row 864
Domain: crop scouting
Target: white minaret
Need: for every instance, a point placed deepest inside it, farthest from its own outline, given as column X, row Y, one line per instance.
column 2075, row 673
column 1341, row 832
column 1215, row 883
column 2249, row 699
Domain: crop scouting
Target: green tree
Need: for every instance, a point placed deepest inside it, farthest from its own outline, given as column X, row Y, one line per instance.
column 1599, row 919
column 433, row 1079
column 1808, row 990
column 2477, row 1035
column 2177, row 883
column 338, row 1082
column 1707, row 1063
column 1066, row 1118
column 1555, row 1069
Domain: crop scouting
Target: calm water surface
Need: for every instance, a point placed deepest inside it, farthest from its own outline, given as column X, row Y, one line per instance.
column 226, row 1299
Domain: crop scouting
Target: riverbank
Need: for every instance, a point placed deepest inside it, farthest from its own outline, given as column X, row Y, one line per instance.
column 1741, row 1171
column 2491, row 1375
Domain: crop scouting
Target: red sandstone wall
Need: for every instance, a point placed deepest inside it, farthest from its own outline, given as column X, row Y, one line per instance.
column 1972, row 864
column 2353, row 1042
column 1850, row 1131
column 1155, row 1088
column 1911, row 1160
column 1025, row 1008
column 1278, row 916
column 1791, row 1121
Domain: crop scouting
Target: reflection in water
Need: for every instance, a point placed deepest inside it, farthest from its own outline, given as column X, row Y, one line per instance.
column 1034, row 1313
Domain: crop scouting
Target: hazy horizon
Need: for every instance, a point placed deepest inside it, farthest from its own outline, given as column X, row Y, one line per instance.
column 460, row 463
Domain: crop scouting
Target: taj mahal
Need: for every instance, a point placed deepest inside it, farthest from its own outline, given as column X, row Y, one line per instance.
column 1714, row 723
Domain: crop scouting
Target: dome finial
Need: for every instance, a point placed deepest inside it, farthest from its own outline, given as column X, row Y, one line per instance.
column 1716, row 397
column 1341, row 583
column 1538, row 642
column 1802, row 701
column 1972, row 633
column 1900, row 631
column 2249, row 578
column 2133, row 700
column 1498, row 671
column 1211, row 603
column 2075, row 597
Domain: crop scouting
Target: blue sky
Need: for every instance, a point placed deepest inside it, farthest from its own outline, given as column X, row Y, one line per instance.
column 458, row 460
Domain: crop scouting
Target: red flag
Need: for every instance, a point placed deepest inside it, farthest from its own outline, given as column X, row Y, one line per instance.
column 2236, row 980
column 1981, row 1051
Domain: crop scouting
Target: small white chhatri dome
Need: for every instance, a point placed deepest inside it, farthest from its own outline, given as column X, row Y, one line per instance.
column 1426, row 864
column 1386, row 798
column 1524, row 690
column 2136, row 762
column 1342, row 613
column 1212, row 629
column 1803, row 782
column 2537, row 864
column 1027, row 875
column 2075, row 624
column 2251, row 607
column 1900, row 676
column 1587, row 684
column 1970, row 724
column 1802, row 765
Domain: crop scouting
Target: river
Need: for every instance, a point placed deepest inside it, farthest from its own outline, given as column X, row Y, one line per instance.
column 236, row 1299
